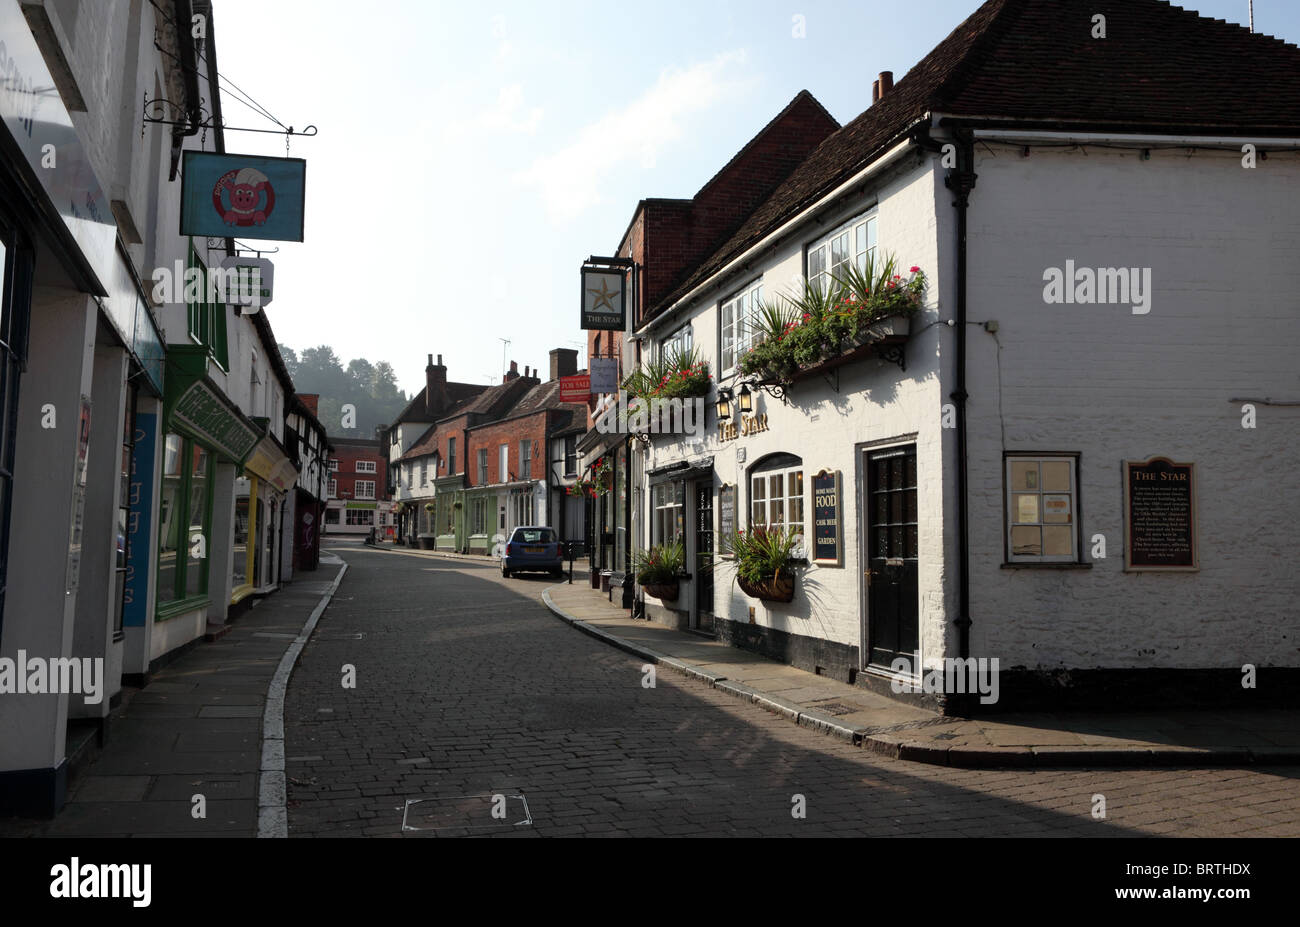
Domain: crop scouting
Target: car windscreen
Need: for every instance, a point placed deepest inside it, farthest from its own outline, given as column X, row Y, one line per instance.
column 534, row 536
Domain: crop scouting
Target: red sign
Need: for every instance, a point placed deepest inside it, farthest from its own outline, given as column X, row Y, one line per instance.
column 576, row 388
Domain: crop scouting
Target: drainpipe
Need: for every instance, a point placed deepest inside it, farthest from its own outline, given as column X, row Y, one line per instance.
column 183, row 15
column 961, row 181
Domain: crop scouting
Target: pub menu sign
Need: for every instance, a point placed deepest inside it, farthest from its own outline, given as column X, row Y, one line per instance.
column 828, row 536
column 1160, row 515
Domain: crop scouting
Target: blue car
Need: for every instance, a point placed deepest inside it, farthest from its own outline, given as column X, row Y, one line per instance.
column 533, row 549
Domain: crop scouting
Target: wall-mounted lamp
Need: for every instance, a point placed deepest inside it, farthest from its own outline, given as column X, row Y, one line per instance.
column 724, row 403
column 746, row 399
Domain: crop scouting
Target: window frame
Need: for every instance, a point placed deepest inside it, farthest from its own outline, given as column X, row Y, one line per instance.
column 358, row 492
column 366, row 466
column 825, row 244
column 743, row 332
column 783, row 465
column 682, row 339
column 1009, row 522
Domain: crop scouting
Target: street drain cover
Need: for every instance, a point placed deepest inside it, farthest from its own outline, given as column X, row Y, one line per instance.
column 835, row 708
column 466, row 812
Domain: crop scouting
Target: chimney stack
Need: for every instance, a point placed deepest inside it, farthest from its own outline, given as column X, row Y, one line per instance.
column 564, row 362
column 513, row 372
column 310, row 400
column 435, row 387
column 884, row 83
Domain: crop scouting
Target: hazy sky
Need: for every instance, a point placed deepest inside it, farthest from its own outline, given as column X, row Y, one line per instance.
column 470, row 155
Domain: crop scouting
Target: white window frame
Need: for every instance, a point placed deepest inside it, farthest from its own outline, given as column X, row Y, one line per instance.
column 683, row 339
column 482, row 466
column 503, row 463
column 334, row 464
column 786, row 498
column 331, row 489
column 1013, row 515
column 525, row 459
column 737, row 316
column 821, row 252
column 363, row 489
column 667, row 500
column 451, row 456
column 366, row 466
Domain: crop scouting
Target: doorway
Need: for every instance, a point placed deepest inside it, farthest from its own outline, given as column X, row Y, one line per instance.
column 890, row 577
column 702, row 567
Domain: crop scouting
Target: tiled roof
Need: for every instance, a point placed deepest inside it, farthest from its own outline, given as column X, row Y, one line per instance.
column 1159, row 67
column 456, row 393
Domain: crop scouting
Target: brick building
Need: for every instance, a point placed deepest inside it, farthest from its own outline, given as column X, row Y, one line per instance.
column 357, row 488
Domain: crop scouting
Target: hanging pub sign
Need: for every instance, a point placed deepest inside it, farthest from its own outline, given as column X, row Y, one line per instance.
column 576, row 388
column 249, row 196
column 1160, row 515
column 603, row 305
column 828, row 534
column 603, row 374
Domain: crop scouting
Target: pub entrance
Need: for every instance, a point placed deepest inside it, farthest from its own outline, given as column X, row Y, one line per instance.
column 890, row 578
column 703, row 545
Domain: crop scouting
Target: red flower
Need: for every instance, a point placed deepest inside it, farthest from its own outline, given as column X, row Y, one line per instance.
column 914, row 269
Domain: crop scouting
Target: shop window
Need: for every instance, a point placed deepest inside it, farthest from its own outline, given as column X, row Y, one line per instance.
column 830, row 256
column 15, row 310
column 239, row 557
column 124, row 506
column 739, row 314
column 669, row 521
column 776, row 494
column 186, row 515
column 360, row 516
column 331, row 516
column 523, row 508
column 479, row 512
column 1042, row 509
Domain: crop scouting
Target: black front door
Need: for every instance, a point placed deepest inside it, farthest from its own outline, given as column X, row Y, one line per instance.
column 891, row 556
column 703, row 567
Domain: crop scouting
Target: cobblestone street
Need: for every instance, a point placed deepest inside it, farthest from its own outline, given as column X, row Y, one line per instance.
column 467, row 687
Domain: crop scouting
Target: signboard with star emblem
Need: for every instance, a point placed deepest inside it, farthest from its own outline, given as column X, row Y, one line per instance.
column 603, row 303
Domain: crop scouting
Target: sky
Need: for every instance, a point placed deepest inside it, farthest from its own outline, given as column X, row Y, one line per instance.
column 470, row 156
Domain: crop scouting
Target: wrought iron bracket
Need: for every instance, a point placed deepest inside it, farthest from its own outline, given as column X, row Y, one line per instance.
column 894, row 354
column 156, row 110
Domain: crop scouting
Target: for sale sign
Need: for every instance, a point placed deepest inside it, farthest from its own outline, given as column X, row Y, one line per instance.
column 576, row 388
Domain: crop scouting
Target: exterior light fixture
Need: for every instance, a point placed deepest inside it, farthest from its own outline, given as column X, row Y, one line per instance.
column 746, row 399
column 724, row 404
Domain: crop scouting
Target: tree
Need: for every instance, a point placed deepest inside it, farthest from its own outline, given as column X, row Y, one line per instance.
column 370, row 388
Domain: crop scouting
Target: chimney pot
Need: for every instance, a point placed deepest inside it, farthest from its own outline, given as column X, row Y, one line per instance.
column 886, row 81
column 875, row 91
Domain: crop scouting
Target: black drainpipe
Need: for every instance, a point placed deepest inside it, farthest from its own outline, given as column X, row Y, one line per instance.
column 183, row 14
column 961, row 181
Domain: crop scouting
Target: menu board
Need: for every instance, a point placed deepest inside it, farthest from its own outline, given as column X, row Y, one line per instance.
column 726, row 512
column 1160, row 515
column 828, row 537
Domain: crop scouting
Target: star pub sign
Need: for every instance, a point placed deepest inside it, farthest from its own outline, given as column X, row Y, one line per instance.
column 604, row 298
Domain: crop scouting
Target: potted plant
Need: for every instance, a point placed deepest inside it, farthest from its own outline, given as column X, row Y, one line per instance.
column 659, row 570
column 765, row 562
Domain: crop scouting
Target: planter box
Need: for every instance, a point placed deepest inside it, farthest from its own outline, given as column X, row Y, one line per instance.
column 883, row 336
column 666, row 592
column 778, row 589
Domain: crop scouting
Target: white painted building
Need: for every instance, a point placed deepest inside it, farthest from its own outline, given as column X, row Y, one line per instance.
column 1016, row 525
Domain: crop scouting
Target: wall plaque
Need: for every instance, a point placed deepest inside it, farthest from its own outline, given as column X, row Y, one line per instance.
column 828, row 534
column 1160, row 515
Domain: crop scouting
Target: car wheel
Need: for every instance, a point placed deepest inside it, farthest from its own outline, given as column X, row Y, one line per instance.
column 505, row 572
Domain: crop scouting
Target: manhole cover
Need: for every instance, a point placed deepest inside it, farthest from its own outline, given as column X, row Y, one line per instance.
column 835, row 708
column 466, row 812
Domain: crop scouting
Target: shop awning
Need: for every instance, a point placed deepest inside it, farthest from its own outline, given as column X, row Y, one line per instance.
column 682, row 470
column 268, row 461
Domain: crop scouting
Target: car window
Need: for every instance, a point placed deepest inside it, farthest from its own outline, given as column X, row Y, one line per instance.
column 534, row 536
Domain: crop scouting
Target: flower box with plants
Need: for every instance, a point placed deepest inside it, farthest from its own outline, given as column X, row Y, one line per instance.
column 860, row 309
column 659, row 570
column 679, row 375
column 601, row 482
column 765, row 560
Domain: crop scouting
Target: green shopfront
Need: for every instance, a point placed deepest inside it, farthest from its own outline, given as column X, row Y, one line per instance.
column 206, row 440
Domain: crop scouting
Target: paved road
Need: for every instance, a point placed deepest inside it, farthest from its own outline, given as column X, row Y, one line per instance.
column 467, row 689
